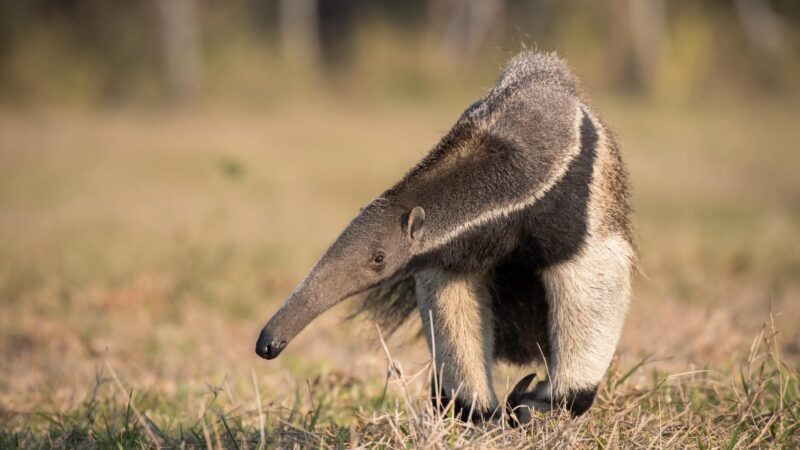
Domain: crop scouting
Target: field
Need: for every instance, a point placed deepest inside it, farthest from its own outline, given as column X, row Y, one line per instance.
column 142, row 251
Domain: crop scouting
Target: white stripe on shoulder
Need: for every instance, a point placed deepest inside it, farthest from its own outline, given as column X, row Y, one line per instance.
column 557, row 173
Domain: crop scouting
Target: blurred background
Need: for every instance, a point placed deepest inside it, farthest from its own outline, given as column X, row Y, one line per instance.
column 170, row 169
column 261, row 52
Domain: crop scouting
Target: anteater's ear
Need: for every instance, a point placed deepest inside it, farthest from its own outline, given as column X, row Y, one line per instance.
column 415, row 223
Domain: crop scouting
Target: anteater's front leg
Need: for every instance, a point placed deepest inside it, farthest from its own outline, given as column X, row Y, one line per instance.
column 461, row 340
column 588, row 298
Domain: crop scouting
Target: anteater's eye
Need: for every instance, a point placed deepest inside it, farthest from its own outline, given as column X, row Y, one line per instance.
column 377, row 261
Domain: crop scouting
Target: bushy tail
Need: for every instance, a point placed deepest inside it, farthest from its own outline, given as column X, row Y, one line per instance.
column 388, row 305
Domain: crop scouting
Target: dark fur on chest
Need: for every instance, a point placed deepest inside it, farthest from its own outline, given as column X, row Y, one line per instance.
column 520, row 312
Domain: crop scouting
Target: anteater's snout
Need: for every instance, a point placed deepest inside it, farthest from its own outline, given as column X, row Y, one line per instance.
column 269, row 347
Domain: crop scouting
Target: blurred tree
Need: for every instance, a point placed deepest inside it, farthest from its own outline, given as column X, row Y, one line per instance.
column 179, row 41
column 300, row 35
column 336, row 19
column 648, row 24
column 463, row 26
column 318, row 32
column 762, row 25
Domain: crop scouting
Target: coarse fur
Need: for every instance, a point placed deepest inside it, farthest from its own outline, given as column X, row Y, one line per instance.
column 517, row 247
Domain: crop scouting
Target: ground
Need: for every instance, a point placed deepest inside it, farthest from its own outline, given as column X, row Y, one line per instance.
column 142, row 251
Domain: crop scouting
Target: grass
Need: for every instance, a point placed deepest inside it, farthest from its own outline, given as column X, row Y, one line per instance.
column 141, row 252
column 756, row 408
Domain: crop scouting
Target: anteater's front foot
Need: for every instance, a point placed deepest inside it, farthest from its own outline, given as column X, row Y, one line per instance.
column 522, row 402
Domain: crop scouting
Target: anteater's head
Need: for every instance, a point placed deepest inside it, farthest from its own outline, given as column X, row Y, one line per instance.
column 377, row 245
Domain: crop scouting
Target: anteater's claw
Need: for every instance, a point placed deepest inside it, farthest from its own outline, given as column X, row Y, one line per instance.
column 521, row 401
column 522, row 385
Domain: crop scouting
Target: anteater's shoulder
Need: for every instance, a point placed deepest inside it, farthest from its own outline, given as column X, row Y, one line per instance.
column 534, row 103
column 533, row 87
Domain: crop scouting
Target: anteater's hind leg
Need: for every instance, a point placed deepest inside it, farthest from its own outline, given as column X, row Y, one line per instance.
column 588, row 297
column 461, row 339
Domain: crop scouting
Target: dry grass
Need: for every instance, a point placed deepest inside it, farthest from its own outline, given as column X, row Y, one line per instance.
column 142, row 251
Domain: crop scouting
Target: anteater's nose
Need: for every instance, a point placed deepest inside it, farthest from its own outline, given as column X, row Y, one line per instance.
column 268, row 347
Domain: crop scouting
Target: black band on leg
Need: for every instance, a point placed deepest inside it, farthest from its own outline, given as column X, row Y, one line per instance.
column 579, row 401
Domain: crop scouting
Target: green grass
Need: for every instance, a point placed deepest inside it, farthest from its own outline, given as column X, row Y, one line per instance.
column 142, row 251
